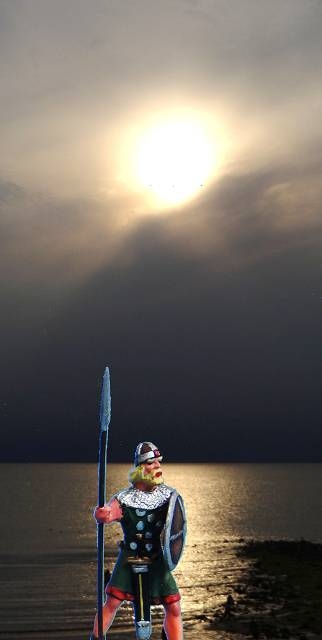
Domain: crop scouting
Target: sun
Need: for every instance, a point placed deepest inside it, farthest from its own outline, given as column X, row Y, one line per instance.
column 173, row 160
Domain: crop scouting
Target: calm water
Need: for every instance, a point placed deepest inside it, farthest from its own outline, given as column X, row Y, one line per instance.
column 48, row 538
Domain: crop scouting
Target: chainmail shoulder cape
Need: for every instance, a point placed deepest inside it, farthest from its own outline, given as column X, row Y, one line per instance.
column 132, row 497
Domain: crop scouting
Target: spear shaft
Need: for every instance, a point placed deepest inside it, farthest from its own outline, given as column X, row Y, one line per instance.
column 105, row 417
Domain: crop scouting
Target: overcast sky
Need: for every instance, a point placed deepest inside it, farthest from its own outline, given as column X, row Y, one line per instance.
column 207, row 311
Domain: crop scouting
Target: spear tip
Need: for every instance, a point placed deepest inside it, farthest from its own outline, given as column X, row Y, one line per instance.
column 105, row 406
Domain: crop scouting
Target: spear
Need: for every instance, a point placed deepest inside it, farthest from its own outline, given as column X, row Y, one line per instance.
column 105, row 417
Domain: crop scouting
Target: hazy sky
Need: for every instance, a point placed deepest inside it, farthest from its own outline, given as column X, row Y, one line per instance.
column 207, row 310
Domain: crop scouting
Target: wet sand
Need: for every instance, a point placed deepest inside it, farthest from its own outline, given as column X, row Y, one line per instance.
column 278, row 596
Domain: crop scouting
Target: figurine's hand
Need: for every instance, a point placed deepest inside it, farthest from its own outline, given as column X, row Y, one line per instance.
column 111, row 512
column 102, row 514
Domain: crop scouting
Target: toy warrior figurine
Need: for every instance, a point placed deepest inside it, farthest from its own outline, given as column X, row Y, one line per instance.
column 142, row 573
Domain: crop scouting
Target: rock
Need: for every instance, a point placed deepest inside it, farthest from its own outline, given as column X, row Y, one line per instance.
column 229, row 606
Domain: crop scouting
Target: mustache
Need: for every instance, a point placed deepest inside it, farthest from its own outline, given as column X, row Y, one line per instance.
column 153, row 476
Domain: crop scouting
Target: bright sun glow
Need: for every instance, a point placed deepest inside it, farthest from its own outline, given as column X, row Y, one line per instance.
column 174, row 160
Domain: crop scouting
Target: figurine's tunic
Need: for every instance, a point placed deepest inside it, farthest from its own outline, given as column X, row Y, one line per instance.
column 143, row 520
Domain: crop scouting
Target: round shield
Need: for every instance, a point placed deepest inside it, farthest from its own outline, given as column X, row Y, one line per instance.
column 175, row 531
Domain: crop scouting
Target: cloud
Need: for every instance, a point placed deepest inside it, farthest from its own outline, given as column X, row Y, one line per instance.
column 53, row 241
column 221, row 295
column 74, row 74
column 241, row 217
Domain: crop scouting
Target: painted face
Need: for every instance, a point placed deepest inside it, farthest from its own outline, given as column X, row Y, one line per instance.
column 152, row 471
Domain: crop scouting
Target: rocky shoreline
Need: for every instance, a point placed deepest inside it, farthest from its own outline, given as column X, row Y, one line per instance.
column 281, row 596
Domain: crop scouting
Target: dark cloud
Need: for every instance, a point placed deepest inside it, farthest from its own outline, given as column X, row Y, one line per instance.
column 231, row 361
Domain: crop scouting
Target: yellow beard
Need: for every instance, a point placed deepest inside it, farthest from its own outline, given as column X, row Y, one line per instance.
column 136, row 474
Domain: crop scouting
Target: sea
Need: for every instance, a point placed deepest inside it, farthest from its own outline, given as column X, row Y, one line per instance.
column 48, row 540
